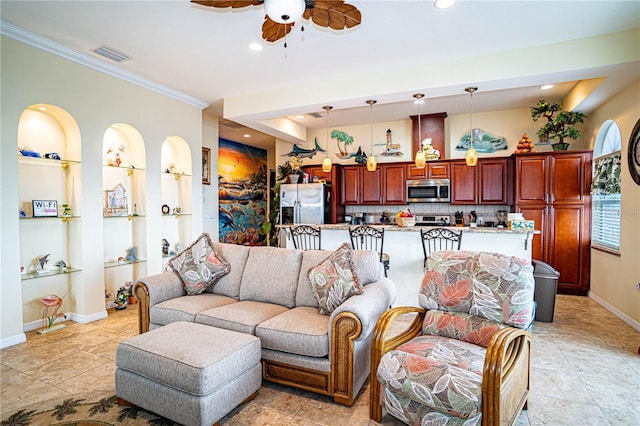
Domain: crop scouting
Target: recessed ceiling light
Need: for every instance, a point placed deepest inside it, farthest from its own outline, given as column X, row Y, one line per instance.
column 246, row 135
column 299, row 116
column 256, row 47
column 42, row 108
column 443, row 4
column 546, row 87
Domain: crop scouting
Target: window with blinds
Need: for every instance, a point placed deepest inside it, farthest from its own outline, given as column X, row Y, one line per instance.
column 605, row 189
column 605, row 221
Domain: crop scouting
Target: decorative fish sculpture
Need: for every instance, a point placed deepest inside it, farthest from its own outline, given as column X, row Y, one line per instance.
column 304, row 153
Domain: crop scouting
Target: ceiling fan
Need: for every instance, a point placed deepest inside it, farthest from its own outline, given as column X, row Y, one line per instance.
column 281, row 15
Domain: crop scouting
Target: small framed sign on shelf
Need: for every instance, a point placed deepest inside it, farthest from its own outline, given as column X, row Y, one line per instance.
column 45, row 208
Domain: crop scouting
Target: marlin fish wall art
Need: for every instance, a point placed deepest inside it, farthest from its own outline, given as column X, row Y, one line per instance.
column 304, row 153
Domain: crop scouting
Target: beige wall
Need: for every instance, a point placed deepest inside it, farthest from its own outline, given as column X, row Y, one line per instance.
column 613, row 277
column 95, row 101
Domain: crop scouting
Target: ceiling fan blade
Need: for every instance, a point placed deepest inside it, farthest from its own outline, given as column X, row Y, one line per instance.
column 228, row 3
column 273, row 31
column 333, row 14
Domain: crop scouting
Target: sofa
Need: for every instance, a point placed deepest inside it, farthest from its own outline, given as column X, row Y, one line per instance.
column 267, row 293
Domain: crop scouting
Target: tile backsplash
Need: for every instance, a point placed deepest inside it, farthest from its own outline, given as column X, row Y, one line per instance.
column 488, row 212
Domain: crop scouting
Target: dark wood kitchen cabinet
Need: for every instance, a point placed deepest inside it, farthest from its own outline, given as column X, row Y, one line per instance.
column 489, row 182
column 553, row 189
column 385, row 185
column 433, row 170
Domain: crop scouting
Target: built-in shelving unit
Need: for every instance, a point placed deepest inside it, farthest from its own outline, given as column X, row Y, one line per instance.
column 123, row 206
column 49, row 169
column 176, row 208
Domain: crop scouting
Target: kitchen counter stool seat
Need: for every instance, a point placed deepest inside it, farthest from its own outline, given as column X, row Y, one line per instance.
column 365, row 237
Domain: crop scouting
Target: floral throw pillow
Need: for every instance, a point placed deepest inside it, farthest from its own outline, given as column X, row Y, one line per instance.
column 199, row 266
column 334, row 280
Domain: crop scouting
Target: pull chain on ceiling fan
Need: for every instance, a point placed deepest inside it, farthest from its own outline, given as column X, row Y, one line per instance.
column 281, row 15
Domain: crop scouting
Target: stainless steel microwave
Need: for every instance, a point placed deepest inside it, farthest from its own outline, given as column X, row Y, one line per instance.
column 429, row 191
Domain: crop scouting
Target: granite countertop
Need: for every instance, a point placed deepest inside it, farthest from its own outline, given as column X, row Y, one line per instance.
column 481, row 230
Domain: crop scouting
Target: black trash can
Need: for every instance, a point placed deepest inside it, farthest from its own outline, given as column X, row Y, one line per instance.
column 546, row 281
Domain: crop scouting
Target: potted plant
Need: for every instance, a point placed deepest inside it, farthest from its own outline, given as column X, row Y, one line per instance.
column 560, row 124
column 290, row 169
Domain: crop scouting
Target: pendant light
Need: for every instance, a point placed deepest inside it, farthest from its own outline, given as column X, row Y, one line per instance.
column 421, row 159
column 472, row 155
column 372, row 162
column 326, row 163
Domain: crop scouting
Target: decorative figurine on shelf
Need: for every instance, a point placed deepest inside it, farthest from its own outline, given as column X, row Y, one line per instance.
column 165, row 247
column 66, row 210
column 121, row 299
column 26, row 152
column 52, row 156
column 41, row 264
column 132, row 254
column 61, row 264
column 177, row 210
column 55, row 302
column 385, row 219
column 135, row 210
column 22, row 213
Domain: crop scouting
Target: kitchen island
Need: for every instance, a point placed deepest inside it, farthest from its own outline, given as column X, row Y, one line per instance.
column 404, row 247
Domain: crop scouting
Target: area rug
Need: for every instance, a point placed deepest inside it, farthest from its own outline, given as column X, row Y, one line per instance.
column 96, row 409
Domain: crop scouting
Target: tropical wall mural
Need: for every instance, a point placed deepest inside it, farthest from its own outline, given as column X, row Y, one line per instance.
column 242, row 195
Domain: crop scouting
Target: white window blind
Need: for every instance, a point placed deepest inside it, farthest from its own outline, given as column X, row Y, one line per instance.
column 605, row 221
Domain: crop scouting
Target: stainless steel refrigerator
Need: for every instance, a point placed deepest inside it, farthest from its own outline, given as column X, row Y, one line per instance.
column 305, row 203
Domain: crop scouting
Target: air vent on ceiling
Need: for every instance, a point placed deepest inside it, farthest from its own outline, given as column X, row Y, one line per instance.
column 315, row 115
column 231, row 124
column 111, row 53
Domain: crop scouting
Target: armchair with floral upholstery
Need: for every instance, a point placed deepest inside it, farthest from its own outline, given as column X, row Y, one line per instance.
column 464, row 360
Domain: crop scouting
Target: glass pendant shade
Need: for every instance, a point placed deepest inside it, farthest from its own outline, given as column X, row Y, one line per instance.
column 372, row 163
column 284, row 11
column 472, row 157
column 421, row 158
column 326, row 165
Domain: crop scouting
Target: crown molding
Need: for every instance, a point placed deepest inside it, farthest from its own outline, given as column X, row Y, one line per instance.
column 35, row 40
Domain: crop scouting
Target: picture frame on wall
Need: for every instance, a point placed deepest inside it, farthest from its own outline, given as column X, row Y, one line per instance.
column 45, row 208
column 206, row 166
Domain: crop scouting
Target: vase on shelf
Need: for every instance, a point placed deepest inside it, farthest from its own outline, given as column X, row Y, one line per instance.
column 293, row 178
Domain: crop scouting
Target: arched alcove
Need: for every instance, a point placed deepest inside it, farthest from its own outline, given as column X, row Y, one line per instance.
column 177, row 184
column 49, row 173
column 124, row 207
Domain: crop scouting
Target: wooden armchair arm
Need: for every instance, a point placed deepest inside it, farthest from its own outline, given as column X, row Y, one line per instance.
column 505, row 378
column 380, row 346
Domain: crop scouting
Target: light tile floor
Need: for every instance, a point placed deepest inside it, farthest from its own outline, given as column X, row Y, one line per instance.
column 585, row 371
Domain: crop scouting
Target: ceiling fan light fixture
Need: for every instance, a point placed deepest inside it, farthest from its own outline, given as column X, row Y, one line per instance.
column 444, row 4
column 256, row 47
column 284, row 11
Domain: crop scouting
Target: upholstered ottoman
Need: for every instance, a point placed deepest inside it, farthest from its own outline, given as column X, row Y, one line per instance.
column 190, row 373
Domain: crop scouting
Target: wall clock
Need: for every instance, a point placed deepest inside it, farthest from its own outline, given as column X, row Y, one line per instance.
column 633, row 154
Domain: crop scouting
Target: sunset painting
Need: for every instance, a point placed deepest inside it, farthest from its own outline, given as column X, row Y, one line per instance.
column 242, row 177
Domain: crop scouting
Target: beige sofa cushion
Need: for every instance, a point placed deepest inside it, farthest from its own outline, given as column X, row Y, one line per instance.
column 301, row 331
column 241, row 316
column 271, row 276
column 236, row 256
column 186, row 308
